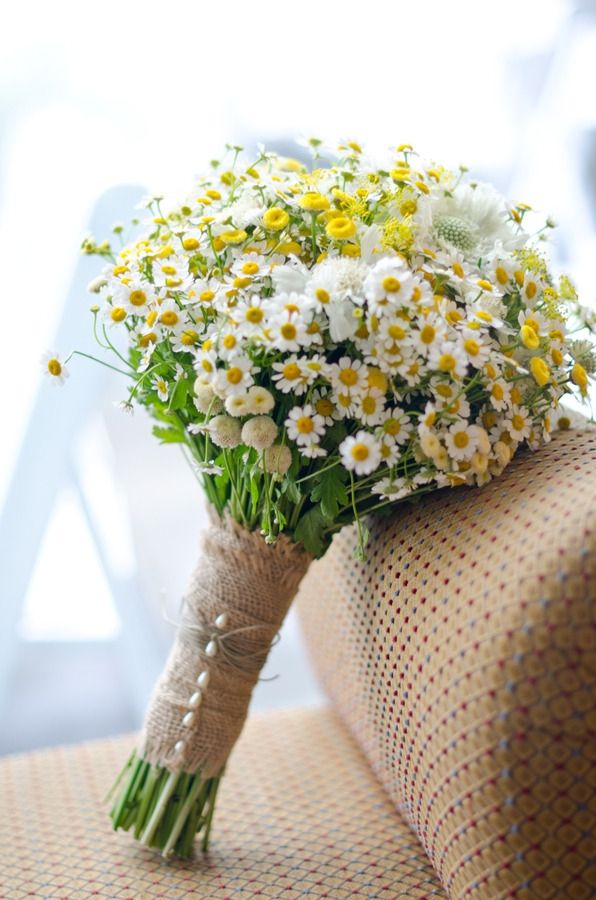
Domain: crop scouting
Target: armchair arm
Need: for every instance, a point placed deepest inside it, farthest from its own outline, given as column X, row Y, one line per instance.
column 462, row 656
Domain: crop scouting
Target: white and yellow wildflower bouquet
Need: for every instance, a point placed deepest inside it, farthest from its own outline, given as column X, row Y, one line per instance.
column 323, row 343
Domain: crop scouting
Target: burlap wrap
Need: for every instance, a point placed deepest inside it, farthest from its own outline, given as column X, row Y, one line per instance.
column 254, row 583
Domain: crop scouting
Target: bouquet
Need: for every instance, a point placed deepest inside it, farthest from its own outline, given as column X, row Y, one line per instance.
column 323, row 342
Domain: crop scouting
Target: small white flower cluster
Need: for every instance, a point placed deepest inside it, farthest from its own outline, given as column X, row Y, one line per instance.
column 390, row 318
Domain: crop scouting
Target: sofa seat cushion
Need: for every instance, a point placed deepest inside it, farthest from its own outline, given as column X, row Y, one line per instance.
column 300, row 814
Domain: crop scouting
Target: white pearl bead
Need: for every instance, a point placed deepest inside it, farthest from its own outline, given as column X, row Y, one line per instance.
column 203, row 679
column 195, row 700
column 179, row 746
column 188, row 718
column 222, row 620
column 211, row 648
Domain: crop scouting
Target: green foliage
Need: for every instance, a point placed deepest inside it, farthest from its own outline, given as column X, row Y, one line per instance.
column 330, row 492
column 310, row 531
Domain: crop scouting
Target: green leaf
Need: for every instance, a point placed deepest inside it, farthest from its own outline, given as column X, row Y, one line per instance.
column 310, row 531
column 168, row 435
column 180, row 394
column 331, row 492
column 291, row 490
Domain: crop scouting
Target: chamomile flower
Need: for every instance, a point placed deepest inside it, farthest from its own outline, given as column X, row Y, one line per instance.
column 370, row 406
column 499, row 394
column 290, row 376
column 392, row 489
column 324, row 406
column 161, row 386
column 389, row 284
column 360, row 453
column 235, row 378
column 54, row 368
column 304, row 425
column 348, row 376
column 518, row 423
column 461, row 441
column 396, row 425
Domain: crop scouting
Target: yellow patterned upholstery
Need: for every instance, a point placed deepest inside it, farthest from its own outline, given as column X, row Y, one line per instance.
column 300, row 814
column 462, row 656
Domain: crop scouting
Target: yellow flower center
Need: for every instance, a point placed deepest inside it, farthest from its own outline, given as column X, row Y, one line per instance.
column 396, row 332
column 54, row 367
column 369, row 404
column 304, row 425
column 149, row 338
column 501, row 275
column 392, row 427
column 454, row 316
column 349, row 377
column 291, row 371
column 540, row 371
column 234, row 375
column 458, row 269
column 118, row 314
column 229, row 341
column 518, row 422
column 137, row 298
column 391, row 285
column 531, row 290
column 427, row 334
column 484, row 284
column 322, row 295
column 443, row 390
column 250, row 268
column 497, row 392
column 324, row 407
column 189, row 338
column 557, row 356
column 461, row 440
column 360, row 452
column 254, row 314
column 288, row 331
column 206, row 296
column 190, row 243
column 447, row 362
column 471, row 347
column 169, row 318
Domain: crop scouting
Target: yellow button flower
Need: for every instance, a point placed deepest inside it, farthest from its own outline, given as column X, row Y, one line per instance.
column 529, row 338
column 341, row 228
column 313, row 201
column 275, row 219
column 540, row 371
column 579, row 376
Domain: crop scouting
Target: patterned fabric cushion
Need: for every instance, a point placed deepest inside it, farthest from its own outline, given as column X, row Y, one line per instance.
column 462, row 656
column 300, row 815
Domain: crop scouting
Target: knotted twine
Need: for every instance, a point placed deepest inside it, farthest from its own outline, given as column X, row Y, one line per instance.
column 253, row 583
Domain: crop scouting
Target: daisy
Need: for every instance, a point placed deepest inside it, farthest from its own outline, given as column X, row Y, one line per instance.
column 161, row 386
column 474, row 348
column 430, row 333
column 449, row 357
column 324, row 406
column 518, row 423
column 348, row 375
column 235, row 379
column 137, row 296
column 390, row 452
column 54, row 368
column 499, row 394
column 460, row 441
column 360, row 453
column 250, row 316
column 390, row 283
column 287, row 332
column 392, row 489
column 170, row 316
column 290, row 376
column 370, row 406
column 305, row 426
column 396, row 425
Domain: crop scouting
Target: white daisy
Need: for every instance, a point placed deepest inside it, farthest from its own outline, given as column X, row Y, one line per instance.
column 370, row 406
column 304, row 425
column 235, row 379
column 161, row 386
column 460, row 440
column 397, row 426
column 348, row 376
column 360, row 453
column 54, row 368
column 518, row 423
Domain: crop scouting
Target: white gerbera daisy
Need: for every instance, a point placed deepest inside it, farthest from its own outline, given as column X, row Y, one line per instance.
column 360, row 453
